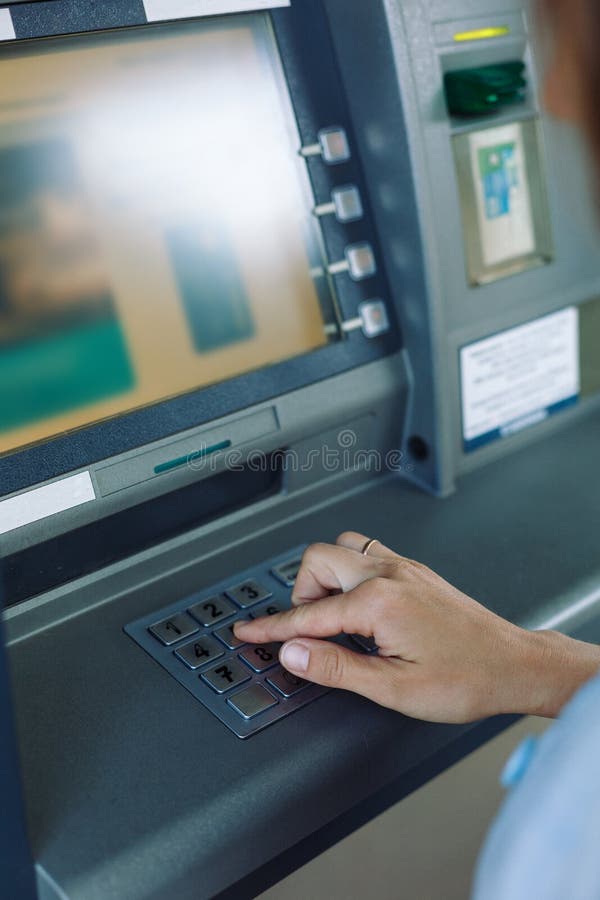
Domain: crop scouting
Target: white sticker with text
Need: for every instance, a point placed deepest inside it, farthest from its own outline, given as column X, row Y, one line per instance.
column 41, row 502
column 519, row 377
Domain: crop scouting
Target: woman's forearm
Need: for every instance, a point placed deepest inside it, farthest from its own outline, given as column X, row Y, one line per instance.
column 556, row 666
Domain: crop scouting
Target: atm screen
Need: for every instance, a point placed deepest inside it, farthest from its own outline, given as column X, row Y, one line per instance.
column 156, row 227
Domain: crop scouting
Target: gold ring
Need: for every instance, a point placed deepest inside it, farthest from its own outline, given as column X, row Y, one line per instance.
column 368, row 545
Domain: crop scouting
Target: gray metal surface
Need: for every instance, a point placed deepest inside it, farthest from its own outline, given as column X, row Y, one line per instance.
column 107, row 815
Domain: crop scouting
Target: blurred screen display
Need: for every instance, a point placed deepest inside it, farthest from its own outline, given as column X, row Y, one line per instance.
column 156, row 233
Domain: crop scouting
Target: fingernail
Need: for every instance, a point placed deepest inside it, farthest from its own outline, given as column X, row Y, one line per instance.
column 295, row 657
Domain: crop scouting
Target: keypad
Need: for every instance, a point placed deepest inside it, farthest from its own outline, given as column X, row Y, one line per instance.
column 242, row 684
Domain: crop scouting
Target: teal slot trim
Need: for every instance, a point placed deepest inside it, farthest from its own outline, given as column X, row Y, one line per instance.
column 184, row 460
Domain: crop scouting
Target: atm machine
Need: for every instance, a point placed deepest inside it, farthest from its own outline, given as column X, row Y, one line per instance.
column 270, row 270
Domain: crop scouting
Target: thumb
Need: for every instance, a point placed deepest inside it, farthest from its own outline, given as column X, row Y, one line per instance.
column 330, row 665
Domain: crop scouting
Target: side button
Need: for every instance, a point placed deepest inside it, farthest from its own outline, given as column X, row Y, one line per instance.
column 375, row 319
column 333, row 146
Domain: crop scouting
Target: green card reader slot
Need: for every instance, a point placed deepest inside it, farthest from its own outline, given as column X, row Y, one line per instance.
column 484, row 90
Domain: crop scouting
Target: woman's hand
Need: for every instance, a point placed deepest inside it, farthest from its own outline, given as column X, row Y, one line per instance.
column 442, row 656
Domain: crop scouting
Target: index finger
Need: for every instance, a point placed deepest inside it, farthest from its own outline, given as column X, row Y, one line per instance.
column 344, row 613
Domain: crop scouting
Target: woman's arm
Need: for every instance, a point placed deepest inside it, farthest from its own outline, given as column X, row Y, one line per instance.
column 442, row 656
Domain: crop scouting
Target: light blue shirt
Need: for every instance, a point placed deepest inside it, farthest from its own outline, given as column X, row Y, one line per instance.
column 545, row 844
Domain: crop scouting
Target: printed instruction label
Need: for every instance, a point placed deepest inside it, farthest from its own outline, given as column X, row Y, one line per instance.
column 161, row 10
column 519, row 377
column 502, row 194
column 39, row 503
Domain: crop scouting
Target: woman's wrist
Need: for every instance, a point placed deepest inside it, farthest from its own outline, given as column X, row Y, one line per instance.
column 556, row 666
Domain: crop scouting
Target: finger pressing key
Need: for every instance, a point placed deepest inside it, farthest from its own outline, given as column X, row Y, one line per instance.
column 344, row 613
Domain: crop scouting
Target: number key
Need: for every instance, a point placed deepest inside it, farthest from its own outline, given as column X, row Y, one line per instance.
column 226, row 635
column 212, row 610
column 270, row 610
column 261, row 658
column 252, row 701
column 199, row 652
column 248, row 593
column 286, row 572
column 286, row 683
column 226, row 675
column 174, row 629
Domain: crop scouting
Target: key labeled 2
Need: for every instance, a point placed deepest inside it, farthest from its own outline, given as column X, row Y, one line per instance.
column 213, row 610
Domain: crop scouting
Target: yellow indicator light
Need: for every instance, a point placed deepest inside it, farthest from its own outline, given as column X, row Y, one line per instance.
column 482, row 34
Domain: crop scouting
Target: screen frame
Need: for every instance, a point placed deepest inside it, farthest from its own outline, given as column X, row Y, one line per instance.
column 319, row 100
